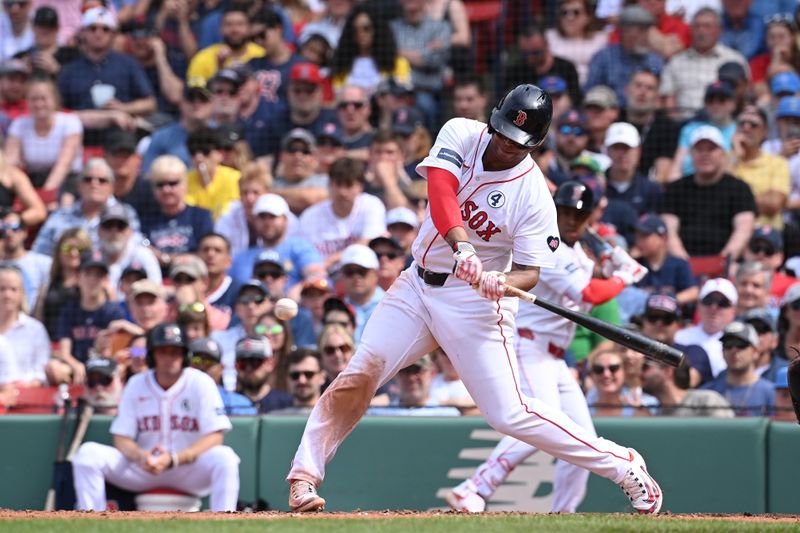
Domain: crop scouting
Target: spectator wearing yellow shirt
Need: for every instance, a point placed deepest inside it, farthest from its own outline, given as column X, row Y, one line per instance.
column 767, row 174
column 236, row 46
column 211, row 185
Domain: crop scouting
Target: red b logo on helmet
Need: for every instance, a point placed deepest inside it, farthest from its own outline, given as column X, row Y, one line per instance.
column 522, row 116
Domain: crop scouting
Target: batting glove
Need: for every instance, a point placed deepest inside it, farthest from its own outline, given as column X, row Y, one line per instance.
column 630, row 273
column 492, row 285
column 619, row 260
column 468, row 265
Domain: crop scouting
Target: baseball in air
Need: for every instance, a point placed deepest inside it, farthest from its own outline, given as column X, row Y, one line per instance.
column 285, row 309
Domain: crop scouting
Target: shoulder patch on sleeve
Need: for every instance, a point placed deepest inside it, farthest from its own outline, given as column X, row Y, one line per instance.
column 451, row 156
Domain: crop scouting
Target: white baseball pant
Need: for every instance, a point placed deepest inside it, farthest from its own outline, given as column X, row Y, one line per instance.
column 215, row 472
column 477, row 334
column 548, row 379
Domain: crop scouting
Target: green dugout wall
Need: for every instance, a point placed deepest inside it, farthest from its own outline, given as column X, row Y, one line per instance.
column 407, row 463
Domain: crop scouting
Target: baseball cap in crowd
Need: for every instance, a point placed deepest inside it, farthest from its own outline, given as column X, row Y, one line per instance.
column 719, row 88
column 769, row 235
column 785, row 83
column 622, row 133
column 585, row 161
column 662, row 303
column 722, row 286
column 573, row 118
column 196, row 87
column 788, row 107
column 335, row 303
column 392, row 86
column 792, row 294
column 253, row 348
column 732, row 72
column 636, row 16
column 253, row 284
column 782, row 378
column 761, row 319
column 299, row 135
column 402, row 215
column 423, row 362
column 650, row 223
column 115, row 212
column 601, row 96
column 405, row 120
column 306, row 73
column 99, row 16
column 271, row 257
column 93, row 260
column 741, row 331
column 134, row 269
column 359, row 255
column 45, row 17
column 553, row 84
column 101, row 365
column 707, row 132
column 205, row 346
column 14, row 66
column 229, row 75
column 317, row 284
column 271, row 204
column 188, row 265
column 121, row 141
column 145, row 286
column 331, row 135
column 229, row 135
column 377, row 241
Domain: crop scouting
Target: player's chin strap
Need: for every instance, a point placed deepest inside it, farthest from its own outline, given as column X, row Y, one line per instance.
column 793, row 375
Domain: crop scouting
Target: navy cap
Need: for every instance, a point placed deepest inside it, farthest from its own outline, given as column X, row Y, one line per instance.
column 650, row 223
column 769, row 234
column 93, row 260
column 253, row 284
column 732, row 72
column 664, row 303
column 572, row 117
column 206, row 346
column 719, row 88
column 101, row 365
column 406, row 119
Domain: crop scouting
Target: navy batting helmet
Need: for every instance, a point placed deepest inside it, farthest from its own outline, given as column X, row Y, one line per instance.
column 574, row 194
column 169, row 334
column 523, row 115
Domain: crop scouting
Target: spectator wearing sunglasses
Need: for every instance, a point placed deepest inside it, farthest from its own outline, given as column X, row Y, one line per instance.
column 103, row 386
column 571, row 139
column 121, row 248
column 305, row 381
column 95, row 189
column 174, row 227
column 391, row 258
column 766, row 246
column 336, row 345
column 609, row 396
column 35, row 266
column 272, row 70
column 254, row 366
column 748, row 394
column 717, row 309
column 336, row 311
column 350, row 215
column 770, row 361
column 189, row 276
column 312, row 301
column 211, row 185
column 298, row 180
column 624, row 182
column 205, row 355
column 251, row 303
column 353, row 111
column 666, row 273
column 661, row 320
column 671, row 387
column 753, row 284
column 359, row 273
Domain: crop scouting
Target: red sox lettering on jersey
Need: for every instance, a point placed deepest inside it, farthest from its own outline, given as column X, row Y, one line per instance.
column 478, row 220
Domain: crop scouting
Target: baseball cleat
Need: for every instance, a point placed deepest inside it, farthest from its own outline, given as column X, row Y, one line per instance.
column 303, row 497
column 465, row 498
column 640, row 487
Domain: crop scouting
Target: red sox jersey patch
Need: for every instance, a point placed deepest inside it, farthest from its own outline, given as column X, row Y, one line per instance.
column 552, row 243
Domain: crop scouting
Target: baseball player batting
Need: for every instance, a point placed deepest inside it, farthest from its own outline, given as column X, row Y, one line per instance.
column 541, row 340
column 490, row 221
column 167, row 433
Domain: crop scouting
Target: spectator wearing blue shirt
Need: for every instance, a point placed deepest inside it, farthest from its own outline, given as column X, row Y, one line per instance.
column 195, row 109
column 359, row 273
column 615, row 64
column 272, row 70
column 625, row 183
column 206, row 356
column 742, row 28
column 175, row 227
column 106, row 88
column 303, row 260
column 769, row 363
column 748, row 394
column 666, row 273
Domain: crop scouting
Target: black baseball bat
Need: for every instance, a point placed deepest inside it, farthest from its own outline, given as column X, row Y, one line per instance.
column 50, row 500
column 652, row 349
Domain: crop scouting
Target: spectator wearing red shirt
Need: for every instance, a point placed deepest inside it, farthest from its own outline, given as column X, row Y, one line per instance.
column 670, row 34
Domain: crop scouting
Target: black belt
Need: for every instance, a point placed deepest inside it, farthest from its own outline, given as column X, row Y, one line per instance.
column 435, row 279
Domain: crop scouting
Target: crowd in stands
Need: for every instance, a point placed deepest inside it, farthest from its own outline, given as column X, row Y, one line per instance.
column 197, row 160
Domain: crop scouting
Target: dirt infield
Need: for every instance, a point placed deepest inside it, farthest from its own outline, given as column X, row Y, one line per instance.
column 6, row 514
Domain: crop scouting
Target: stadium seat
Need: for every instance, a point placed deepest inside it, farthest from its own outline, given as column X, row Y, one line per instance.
column 709, row 266
column 40, row 400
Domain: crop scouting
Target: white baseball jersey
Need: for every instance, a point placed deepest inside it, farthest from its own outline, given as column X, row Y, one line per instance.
column 561, row 285
column 173, row 418
column 497, row 226
column 331, row 234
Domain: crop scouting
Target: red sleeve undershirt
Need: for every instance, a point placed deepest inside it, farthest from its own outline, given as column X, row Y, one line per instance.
column 600, row 290
column 442, row 190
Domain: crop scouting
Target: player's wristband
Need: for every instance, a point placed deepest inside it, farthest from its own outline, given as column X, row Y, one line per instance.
column 175, row 461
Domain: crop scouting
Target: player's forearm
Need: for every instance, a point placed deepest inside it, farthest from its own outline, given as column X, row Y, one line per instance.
column 200, row 446
column 523, row 277
column 128, row 447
